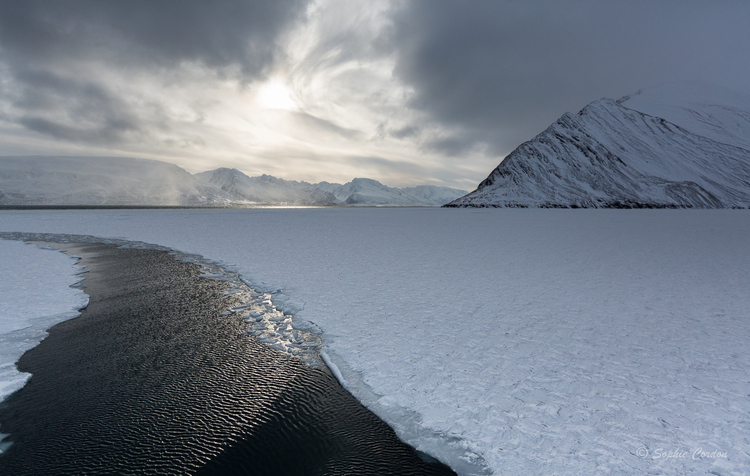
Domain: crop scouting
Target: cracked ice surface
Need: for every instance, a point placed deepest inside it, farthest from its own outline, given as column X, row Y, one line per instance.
column 514, row 341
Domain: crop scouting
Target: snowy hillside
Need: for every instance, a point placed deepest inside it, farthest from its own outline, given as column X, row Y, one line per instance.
column 612, row 155
column 100, row 181
column 709, row 111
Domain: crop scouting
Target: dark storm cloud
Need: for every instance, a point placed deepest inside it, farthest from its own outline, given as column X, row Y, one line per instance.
column 77, row 110
column 108, row 131
column 162, row 32
column 499, row 72
column 43, row 45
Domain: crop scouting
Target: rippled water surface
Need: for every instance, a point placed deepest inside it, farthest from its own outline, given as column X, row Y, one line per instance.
column 155, row 378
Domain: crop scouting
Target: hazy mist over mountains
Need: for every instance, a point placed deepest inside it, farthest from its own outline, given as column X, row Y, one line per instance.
column 108, row 181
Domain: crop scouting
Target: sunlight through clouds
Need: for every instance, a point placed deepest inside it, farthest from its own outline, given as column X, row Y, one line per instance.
column 404, row 92
column 273, row 94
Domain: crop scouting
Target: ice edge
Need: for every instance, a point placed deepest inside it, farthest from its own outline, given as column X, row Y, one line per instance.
column 262, row 309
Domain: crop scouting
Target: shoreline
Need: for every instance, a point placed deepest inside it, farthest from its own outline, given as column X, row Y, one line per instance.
column 220, row 436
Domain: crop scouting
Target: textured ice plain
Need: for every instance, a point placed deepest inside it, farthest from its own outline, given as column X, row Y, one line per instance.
column 35, row 294
column 537, row 341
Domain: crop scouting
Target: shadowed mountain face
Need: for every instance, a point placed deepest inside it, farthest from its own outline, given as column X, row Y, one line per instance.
column 610, row 155
column 109, row 181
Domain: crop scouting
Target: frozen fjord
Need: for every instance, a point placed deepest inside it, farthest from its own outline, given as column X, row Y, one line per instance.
column 541, row 340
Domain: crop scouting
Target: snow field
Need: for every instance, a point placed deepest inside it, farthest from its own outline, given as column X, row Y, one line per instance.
column 506, row 341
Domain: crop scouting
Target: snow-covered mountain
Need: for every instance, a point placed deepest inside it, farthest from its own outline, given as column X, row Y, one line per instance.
column 359, row 192
column 100, row 181
column 97, row 181
column 368, row 192
column 266, row 190
column 684, row 145
column 707, row 110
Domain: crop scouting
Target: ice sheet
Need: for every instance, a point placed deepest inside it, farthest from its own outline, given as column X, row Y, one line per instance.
column 537, row 341
column 35, row 294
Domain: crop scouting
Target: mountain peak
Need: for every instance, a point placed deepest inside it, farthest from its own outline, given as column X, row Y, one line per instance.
column 711, row 111
column 625, row 153
column 92, row 181
column 269, row 190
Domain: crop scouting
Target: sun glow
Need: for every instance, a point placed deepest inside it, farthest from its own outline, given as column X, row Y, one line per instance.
column 274, row 94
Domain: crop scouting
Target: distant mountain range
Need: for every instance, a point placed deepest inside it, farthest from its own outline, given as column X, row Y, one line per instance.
column 107, row 181
column 676, row 146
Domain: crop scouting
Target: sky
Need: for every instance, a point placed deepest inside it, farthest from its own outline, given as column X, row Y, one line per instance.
column 404, row 92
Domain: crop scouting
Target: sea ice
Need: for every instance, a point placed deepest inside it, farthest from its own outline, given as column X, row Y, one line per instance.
column 35, row 294
column 527, row 341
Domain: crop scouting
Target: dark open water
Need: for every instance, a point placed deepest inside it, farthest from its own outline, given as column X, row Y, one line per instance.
column 150, row 379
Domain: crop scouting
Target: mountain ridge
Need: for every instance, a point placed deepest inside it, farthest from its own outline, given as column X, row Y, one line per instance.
column 125, row 181
column 358, row 192
column 609, row 155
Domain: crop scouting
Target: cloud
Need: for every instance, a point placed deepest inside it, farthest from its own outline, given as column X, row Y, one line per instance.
column 316, row 125
column 146, row 33
column 404, row 132
column 439, row 90
column 499, row 72
column 74, row 110
column 105, row 72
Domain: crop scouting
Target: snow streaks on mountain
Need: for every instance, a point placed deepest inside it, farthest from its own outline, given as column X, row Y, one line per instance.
column 675, row 146
column 109, row 181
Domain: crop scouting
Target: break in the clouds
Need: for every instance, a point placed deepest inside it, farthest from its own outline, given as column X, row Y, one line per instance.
column 402, row 91
column 85, row 70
